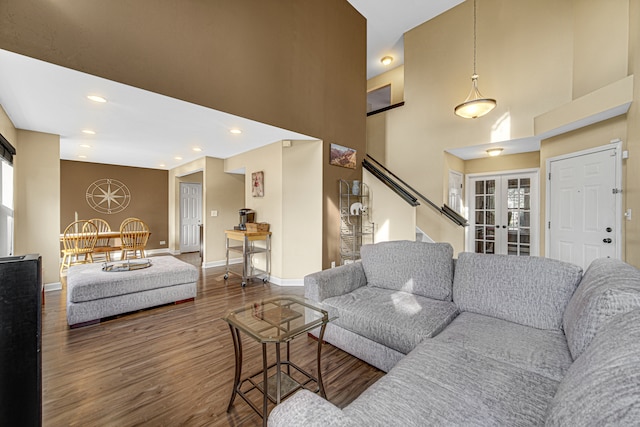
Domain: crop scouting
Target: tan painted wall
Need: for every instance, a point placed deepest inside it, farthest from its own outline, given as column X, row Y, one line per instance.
column 7, row 129
column 553, row 69
column 300, row 63
column 393, row 220
column 222, row 191
column 37, row 199
column 503, row 163
column 148, row 189
column 602, row 27
column 395, row 78
column 270, row 207
column 291, row 202
column 301, row 209
column 632, row 179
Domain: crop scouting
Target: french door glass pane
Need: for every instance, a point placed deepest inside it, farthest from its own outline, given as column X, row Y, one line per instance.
column 502, row 214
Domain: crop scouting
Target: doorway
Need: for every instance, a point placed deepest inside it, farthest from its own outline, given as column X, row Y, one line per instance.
column 190, row 216
column 504, row 213
column 584, row 205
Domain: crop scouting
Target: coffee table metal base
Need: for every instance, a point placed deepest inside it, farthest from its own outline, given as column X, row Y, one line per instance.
column 280, row 385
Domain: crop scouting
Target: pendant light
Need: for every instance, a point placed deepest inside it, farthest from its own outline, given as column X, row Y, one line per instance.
column 475, row 105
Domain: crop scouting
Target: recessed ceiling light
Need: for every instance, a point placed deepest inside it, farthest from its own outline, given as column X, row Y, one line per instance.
column 162, row 165
column 97, row 98
column 85, row 146
column 178, row 158
column 386, row 60
column 198, row 149
column 494, row 151
column 88, row 131
column 235, row 131
column 82, row 156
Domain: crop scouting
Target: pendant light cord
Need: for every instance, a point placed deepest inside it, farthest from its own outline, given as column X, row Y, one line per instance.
column 474, row 38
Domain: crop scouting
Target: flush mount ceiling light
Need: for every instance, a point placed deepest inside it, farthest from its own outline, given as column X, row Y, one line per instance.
column 97, row 98
column 475, row 105
column 386, row 60
column 197, row 149
column 178, row 158
column 85, row 146
column 235, row 131
column 88, row 131
column 494, row 151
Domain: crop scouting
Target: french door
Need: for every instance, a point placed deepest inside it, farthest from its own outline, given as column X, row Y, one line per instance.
column 504, row 214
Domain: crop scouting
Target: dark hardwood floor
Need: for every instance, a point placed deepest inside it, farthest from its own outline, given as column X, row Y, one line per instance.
column 171, row 365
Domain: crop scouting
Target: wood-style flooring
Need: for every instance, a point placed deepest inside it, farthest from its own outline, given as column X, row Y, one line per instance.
column 171, row 365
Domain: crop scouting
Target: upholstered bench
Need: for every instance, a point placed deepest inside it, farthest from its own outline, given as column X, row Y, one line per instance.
column 93, row 294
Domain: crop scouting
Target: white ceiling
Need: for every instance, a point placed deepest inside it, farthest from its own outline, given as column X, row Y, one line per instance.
column 387, row 21
column 144, row 129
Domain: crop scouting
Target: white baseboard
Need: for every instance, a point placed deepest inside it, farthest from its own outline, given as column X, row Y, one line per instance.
column 222, row 263
column 286, row 282
column 56, row 286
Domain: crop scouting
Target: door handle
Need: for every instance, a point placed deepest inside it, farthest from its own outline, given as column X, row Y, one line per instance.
column 609, row 229
column 607, row 240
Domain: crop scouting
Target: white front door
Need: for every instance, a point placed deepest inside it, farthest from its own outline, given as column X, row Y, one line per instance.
column 584, row 206
column 190, row 216
column 504, row 214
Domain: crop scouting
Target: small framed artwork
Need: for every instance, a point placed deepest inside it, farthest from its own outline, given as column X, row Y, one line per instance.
column 342, row 156
column 257, row 184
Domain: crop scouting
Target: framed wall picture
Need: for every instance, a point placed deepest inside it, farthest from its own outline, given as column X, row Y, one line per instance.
column 342, row 156
column 257, row 184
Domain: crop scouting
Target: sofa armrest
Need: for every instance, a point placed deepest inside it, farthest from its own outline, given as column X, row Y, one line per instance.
column 306, row 409
column 334, row 282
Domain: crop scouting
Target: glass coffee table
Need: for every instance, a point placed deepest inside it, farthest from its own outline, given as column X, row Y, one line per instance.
column 275, row 321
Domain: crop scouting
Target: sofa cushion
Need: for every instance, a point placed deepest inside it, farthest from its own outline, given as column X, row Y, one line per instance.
column 602, row 386
column 415, row 267
column 537, row 350
column 531, row 291
column 443, row 384
column 609, row 287
column 396, row 319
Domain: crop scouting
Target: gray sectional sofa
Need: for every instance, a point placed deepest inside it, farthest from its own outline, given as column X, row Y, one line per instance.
column 482, row 340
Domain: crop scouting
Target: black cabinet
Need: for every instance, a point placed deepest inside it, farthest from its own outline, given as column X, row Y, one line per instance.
column 20, row 341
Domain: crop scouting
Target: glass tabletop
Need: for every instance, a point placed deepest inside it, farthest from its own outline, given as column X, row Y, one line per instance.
column 278, row 319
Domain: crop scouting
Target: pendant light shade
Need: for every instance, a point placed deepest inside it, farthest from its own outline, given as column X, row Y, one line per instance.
column 475, row 105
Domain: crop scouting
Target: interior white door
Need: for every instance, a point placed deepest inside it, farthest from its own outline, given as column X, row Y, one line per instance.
column 455, row 191
column 190, row 216
column 583, row 209
column 504, row 214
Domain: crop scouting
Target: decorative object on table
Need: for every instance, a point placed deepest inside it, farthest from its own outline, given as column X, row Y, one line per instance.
column 134, row 234
column 126, row 265
column 108, row 196
column 78, row 241
column 355, row 188
column 254, row 227
column 257, row 184
column 357, row 208
column 342, row 156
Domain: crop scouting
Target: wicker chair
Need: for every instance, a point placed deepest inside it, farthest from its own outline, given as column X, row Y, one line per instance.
column 78, row 241
column 134, row 234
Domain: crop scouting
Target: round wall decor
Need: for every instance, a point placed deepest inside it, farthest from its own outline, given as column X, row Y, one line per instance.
column 108, row 196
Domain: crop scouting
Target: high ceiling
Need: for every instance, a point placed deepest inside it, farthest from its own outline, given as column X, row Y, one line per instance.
column 387, row 21
column 144, row 129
